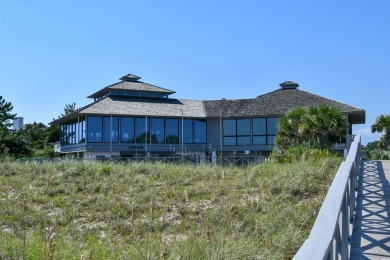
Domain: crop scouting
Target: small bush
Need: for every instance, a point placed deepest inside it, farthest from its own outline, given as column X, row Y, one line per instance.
column 106, row 169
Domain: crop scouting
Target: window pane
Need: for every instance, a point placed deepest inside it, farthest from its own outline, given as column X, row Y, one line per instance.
column 243, row 126
column 259, row 126
column 259, row 140
column 77, row 132
column 244, row 140
column 200, row 131
column 71, row 133
column 115, row 129
column 141, row 130
column 95, row 129
column 157, row 130
column 229, row 141
column 127, row 129
column 172, row 131
column 187, row 139
column 110, row 129
column 229, row 127
column 272, row 126
column 61, row 134
column 271, row 139
column 82, row 131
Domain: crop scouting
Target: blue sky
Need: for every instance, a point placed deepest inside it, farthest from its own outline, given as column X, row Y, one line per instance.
column 57, row 52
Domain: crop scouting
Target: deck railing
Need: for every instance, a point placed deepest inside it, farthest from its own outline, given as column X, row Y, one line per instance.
column 331, row 233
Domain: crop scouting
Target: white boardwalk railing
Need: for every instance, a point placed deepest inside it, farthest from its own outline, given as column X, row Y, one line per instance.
column 332, row 230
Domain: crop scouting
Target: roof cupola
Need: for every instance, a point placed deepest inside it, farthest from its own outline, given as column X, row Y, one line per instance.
column 289, row 85
column 130, row 78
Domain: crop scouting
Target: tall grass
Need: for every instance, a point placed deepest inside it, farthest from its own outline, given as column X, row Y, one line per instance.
column 159, row 211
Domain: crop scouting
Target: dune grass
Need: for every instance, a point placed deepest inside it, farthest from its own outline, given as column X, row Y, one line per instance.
column 92, row 210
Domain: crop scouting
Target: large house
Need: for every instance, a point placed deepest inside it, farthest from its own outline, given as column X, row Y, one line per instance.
column 133, row 118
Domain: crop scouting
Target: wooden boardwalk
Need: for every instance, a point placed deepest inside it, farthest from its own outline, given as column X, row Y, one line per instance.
column 371, row 234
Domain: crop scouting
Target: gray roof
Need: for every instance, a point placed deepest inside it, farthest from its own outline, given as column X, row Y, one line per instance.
column 130, row 82
column 130, row 77
column 161, row 107
column 273, row 104
column 277, row 103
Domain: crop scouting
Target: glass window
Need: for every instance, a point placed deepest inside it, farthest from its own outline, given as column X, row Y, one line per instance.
column 243, row 126
column 259, row 126
column 95, row 129
column 229, row 127
column 77, row 132
column 199, row 131
column 73, row 133
column 127, row 129
column 157, row 130
column 272, row 126
column 110, row 129
column 82, row 138
column 188, row 131
column 271, row 139
column 229, row 140
column 172, row 131
column 141, row 130
column 243, row 140
column 259, row 140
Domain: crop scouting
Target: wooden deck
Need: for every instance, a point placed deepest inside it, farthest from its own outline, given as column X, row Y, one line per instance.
column 371, row 234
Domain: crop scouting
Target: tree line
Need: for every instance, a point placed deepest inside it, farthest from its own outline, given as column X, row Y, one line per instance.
column 33, row 140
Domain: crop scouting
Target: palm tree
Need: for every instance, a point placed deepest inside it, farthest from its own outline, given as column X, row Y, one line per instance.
column 382, row 124
column 322, row 125
column 289, row 128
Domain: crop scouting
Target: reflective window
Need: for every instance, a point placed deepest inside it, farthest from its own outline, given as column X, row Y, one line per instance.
column 229, row 127
column 172, row 131
column 77, row 132
column 259, row 126
column 243, row 126
column 157, row 131
column 95, row 129
column 200, row 131
column 259, row 139
column 272, row 126
column 229, row 140
column 110, row 129
column 237, row 131
column 141, row 130
column 271, row 139
column 243, row 140
column 82, row 130
column 188, row 132
column 127, row 129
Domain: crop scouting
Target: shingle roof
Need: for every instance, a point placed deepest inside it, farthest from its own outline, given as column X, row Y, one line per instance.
column 277, row 103
column 150, row 106
column 288, row 84
column 132, row 84
column 273, row 104
column 130, row 77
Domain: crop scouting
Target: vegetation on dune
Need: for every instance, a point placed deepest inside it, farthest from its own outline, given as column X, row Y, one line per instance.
column 319, row 126
column 382, row 125
column 74, row 210
column 380, row 150
column 309, row 132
